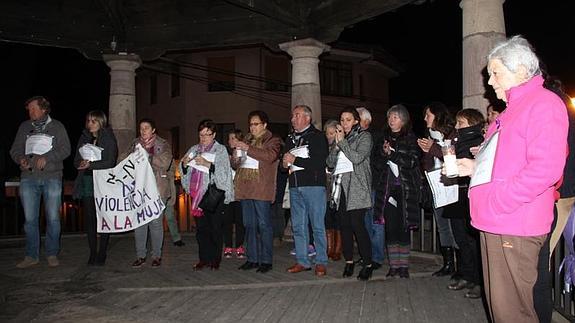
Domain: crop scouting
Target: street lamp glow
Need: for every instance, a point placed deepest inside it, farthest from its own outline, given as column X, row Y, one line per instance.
column 573, row 102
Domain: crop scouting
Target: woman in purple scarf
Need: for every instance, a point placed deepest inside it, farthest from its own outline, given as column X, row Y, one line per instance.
column 207, row 154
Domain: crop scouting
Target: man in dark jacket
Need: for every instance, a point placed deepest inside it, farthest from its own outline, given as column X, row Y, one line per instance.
column 307, row 189
column 41, row 175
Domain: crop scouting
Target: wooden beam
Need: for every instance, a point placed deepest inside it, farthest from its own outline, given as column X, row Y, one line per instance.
column 348, row 12
column 114, row 10
column 270, row 9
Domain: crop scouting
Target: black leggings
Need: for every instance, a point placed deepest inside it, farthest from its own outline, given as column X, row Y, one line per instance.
column 352, row 222
column 209, row 235
column 233, row 215
column 90, row 223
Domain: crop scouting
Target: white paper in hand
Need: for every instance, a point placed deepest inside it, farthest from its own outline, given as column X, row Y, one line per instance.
column 38, row 144
column 484, row 161
column 394, row 168
column 442, row 194
column 211, row 157
column 301, row 152
column 343, row 165
column 91, row 152
column 250, row 163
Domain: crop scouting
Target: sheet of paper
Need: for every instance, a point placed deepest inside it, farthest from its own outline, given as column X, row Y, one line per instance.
column 38, row 144
column 484, row 161
column 239, row 153
column 394, row 168
column 91, row 152
column 436, row 135
column 250, row 163
column 301, row 151
column 392, row 201
column 344, row 165
column 211, row 157
column 443, row 194
column 294, row 168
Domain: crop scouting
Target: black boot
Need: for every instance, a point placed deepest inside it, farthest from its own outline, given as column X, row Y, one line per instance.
column 365, row 272
column 348, row 269
column 448, row 262
column 92, row 259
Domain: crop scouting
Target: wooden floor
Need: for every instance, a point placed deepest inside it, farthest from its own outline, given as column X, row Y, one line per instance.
column 74, row 292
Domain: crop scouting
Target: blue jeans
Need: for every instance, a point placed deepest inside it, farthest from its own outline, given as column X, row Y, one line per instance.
column 257, row 217
column 446, row 238
column 376, row 234
column 308, row 205
column 31, row 192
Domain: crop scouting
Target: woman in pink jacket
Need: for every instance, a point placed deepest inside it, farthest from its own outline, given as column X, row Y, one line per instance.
column 513, row 209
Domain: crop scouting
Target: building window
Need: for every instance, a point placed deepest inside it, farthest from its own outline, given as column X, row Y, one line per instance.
column 221, row 74
column 175, row 84
column 153, row 89
column 336, row 78
column 277, row 74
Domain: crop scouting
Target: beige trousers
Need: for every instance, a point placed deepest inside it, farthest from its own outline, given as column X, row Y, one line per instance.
column 564, row 207
column 509, row 274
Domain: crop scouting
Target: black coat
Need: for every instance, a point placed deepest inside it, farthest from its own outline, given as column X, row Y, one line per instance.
column 568, row 187
column 107, row 141
column 465, row 139
column 313, row 173
column 406, row 156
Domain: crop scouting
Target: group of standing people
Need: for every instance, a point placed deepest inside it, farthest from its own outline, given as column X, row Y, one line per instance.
column 362, row 185
column 41, row 178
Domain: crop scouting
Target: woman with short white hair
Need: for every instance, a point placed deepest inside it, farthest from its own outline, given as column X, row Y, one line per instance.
column 513, row 208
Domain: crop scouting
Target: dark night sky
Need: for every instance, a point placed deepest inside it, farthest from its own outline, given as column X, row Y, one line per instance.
column 425, row 38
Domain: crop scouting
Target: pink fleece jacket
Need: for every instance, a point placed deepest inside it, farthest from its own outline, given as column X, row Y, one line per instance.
column 529, row 160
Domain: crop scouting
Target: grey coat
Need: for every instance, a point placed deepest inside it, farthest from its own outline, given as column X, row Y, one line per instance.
column 222, row 173
column 54, row 158
column 355, row 185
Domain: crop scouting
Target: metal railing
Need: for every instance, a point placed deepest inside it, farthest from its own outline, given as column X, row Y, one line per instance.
column 424, row 238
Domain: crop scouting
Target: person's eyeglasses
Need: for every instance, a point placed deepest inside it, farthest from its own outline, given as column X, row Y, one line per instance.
column 255, row 124
column 206, row 134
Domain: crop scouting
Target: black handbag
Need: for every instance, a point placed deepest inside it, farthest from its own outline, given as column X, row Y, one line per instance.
column 212, row 197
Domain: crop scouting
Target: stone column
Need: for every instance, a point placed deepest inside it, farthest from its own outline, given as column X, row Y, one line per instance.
column 483, row 27
column 122, row 114
column 305, row 74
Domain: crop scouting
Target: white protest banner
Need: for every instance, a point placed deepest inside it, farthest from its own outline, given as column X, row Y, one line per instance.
column 127, row 195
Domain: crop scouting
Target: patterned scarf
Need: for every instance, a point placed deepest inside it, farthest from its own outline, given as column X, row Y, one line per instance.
column 196, row 180
column 40, row 124
column 336, row 179
column 149, row 144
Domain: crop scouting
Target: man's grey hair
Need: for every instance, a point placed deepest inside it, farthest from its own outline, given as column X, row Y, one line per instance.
column 364, row 114
column 305, row 108
column 514, row 52
column 401, row 111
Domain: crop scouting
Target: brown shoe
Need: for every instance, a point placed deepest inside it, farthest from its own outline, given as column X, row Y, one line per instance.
column 320, row 270
column 138, row 262
column 156, row 262
column 297, row 268
column 336, row 255
column 330, row 237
